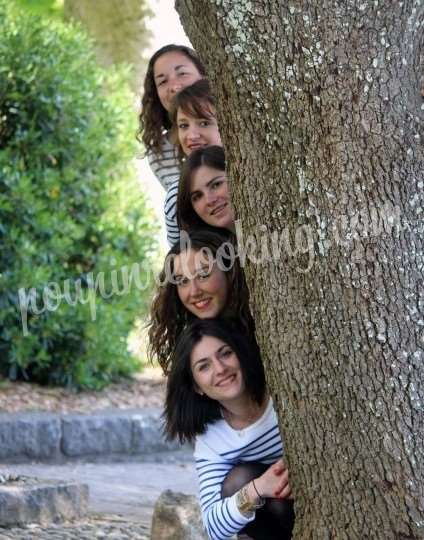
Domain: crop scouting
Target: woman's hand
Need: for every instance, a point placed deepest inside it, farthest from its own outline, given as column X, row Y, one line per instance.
column 274, row 482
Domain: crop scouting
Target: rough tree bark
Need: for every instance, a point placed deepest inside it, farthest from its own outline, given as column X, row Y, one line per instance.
column 320, row 109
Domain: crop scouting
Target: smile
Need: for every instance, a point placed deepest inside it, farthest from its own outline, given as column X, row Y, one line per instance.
column 194, row 146
column 202, row 304
column 218, row 210
column 228, row 380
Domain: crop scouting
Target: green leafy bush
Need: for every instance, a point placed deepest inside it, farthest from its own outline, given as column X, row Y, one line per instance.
column 46, row 8
column 71, row 212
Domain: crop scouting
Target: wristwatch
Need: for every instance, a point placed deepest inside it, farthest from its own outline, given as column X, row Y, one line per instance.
column 245, row 506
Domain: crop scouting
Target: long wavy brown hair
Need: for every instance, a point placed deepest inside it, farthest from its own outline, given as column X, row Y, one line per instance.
column 168, row 316
column 153, row 118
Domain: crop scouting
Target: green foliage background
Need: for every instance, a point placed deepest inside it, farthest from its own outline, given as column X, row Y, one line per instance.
column 70, row 203
column 49, row 8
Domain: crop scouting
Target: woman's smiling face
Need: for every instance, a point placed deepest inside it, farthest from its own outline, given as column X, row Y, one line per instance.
column 195, row 132
column 172, row 72
column 216, row 370
column 210, row 198
column 202, row 287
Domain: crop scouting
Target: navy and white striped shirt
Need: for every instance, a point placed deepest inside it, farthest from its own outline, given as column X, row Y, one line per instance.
column 216, row 452
column 166, row 167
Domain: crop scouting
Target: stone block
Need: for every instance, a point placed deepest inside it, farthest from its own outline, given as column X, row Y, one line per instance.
column 29, row 436
column 148, row 434
column 176, row 516
column 96, row 435
column 29, row 500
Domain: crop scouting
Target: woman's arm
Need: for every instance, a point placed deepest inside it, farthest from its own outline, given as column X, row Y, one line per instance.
column 224, row 517
column 217, row 452
column 221, row 517
column 166, row 164
column 170, row 208
column 166, row 168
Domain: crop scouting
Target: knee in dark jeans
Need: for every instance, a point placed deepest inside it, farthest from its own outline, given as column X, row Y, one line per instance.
column 272, row 522
column 281, row 512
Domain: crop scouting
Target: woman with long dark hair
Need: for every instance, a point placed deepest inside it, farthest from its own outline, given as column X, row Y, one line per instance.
column 217, row 397
column 203, row 194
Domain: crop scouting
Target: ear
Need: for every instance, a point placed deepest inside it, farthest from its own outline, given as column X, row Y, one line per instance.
column 198, row 391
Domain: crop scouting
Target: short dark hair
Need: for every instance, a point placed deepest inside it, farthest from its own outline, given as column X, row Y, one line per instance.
column 209, row 156
column 154, row 119
column 195, row 100
column 187, row 413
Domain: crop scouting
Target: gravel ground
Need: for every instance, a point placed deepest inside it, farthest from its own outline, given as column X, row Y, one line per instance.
column 144, row 390
column 94, row 528
column 121, row 500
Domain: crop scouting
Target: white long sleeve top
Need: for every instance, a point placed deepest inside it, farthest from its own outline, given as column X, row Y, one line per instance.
column 216, row 452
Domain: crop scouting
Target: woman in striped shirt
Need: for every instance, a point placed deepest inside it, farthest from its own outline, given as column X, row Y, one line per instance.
column 216, row 395
column 170, row 69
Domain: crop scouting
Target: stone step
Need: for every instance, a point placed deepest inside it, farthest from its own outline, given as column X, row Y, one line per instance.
column 30, row 500
column 55, row 438
column 177, row 515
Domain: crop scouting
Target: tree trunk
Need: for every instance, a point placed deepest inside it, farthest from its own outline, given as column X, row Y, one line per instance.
column 320, row 110
column 119, row 30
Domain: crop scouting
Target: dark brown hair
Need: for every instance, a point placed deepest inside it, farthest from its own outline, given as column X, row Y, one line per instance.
column 187, row 413
column 168, row 316
column 153, row 118
column 209, row 156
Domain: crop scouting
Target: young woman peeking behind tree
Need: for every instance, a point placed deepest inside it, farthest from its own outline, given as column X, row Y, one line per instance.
column 193, row 117
column 203, row 194
column 170, row 69
column 201, row 279
column 216, row 396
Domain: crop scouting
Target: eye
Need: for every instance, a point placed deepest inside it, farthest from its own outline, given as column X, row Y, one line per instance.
column 182, row 125
column 204, row 123
column 160, row 83
column 204, row 274
column 226, row 352
column 182, row 73
column 216, row 184
column 181, row 281
column 204, row 366
column 195, row 197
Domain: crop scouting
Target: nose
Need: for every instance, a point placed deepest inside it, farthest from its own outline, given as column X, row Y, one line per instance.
column 210, row 197
column 194, row 288
column 174, row 86
column 193, row 133
column 219, row 366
